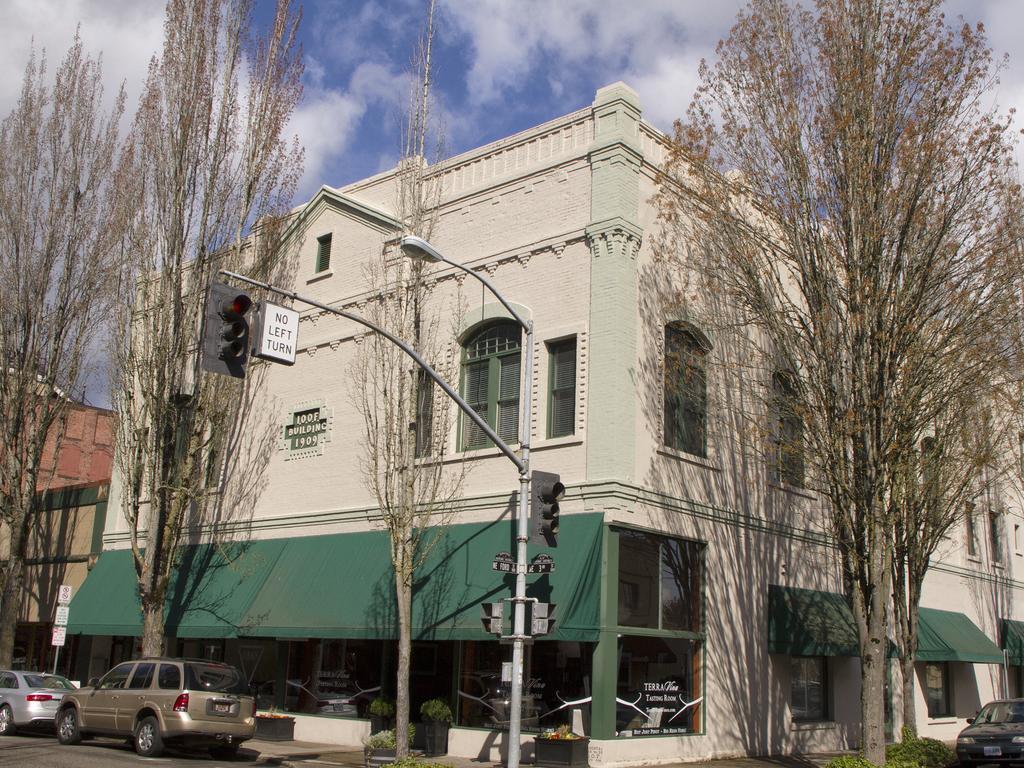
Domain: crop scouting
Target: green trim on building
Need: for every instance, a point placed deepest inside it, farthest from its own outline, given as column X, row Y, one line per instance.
column 1012, row 634
column 70, row 498
column 342, row 585
column 951, row 636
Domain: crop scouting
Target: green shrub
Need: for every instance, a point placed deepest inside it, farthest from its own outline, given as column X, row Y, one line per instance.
column 412, row 762
column 850, row 761
column 382, row 707
column 386, row 739
column 923, row 752
column 436, row 710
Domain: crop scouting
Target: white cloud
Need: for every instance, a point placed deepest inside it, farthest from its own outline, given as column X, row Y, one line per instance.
column 126, row 32
column 327, row 119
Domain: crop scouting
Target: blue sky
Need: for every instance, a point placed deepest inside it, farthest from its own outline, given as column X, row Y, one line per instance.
column 501, row 65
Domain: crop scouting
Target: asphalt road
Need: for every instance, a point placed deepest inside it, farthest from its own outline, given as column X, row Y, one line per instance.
column 43, row 751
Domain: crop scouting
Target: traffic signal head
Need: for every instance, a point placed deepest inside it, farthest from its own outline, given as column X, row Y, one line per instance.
column 226, row 331
column 546, row 490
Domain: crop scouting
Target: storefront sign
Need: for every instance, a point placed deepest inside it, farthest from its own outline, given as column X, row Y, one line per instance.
column 306, row 429
column 661, row 705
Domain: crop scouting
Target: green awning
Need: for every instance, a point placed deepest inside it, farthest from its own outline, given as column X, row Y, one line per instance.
column 951, row 636
column 1013, row 641
column 806, row 622
column 209, row 593
column 342, row 585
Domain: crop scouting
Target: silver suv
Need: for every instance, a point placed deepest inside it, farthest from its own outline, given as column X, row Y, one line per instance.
column 189, row 702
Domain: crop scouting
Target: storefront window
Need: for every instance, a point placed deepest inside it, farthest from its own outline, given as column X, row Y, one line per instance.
column 658, row 690
column 659, row 582
column 556, row 685
column 337, row 678
column 808, row 688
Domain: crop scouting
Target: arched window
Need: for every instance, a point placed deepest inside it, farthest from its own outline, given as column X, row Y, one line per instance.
column 490, row 383
column 686, row 390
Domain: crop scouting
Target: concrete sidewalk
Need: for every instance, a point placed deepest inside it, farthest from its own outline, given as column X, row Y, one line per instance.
column 294, row 754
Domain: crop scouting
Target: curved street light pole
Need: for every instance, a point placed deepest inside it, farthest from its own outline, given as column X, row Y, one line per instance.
column 418, row 248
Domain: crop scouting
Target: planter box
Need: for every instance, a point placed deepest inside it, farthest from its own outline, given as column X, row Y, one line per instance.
column 435, row 737
column 374, row 758
column 275, row 728
column 561, row 753
column 379, row 723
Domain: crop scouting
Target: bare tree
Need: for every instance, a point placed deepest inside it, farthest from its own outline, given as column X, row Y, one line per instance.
column 865, row 230
column 407, row 419
column 60, row 225
column 209, row 160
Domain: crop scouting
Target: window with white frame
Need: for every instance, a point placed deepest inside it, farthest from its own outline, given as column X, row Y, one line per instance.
column 562, row 388
column 490, row 383
column 686, row 389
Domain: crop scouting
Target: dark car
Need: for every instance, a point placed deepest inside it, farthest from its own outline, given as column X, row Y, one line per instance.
column 995, row 735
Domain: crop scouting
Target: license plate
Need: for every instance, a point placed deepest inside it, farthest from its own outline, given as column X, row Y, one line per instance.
column 227, row 708
column 993, row 751
column 339, row 707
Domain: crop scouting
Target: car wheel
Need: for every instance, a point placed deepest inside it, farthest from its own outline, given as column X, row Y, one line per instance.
column 224, row 752
column 67, row 726
column 7, row 726
column 148, row 742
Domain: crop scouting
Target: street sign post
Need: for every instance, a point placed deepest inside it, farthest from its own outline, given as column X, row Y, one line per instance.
column 542, row 563
column 504, row 563
column 60, row 621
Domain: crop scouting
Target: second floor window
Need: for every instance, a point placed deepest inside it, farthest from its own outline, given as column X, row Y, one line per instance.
column 971, row 530
column 562, row 400
column 789, row 431
column 424, row 414
column 686, row 390
column 995, row 527
column 490, row 383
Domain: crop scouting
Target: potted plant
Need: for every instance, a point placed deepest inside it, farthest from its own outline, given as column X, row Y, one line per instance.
column 561, row 748
column 381, row 710
column 273, row 726
column 379, row 748
column 437, row 717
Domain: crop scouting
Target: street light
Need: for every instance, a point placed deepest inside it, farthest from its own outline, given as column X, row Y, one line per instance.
column 418, row 248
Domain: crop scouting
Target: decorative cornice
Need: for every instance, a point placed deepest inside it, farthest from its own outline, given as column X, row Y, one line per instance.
column 616, row 238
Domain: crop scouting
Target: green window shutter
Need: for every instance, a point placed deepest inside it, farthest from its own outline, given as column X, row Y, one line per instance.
column 323, row 253
column 508, row 398
column 475, row 387
column 562, row 402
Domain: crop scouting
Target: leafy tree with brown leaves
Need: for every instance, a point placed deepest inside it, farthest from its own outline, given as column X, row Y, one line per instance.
column 61, row 220
column 208, row 161
column 848, row 190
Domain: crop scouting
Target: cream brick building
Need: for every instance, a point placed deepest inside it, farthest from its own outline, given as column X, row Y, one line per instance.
column 697, row 592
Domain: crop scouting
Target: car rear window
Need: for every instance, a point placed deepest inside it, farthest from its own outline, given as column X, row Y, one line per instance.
column 169, row 678
column 216, row 678
column 49, row 681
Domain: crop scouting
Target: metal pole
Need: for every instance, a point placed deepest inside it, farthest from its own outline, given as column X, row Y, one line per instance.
column 56, row 656
column 515, row 721
column 463, row 406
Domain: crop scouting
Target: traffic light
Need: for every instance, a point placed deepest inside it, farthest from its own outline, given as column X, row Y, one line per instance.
column 492, row 615
column 546, row 490
column 542, row 619
column 226, row 331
